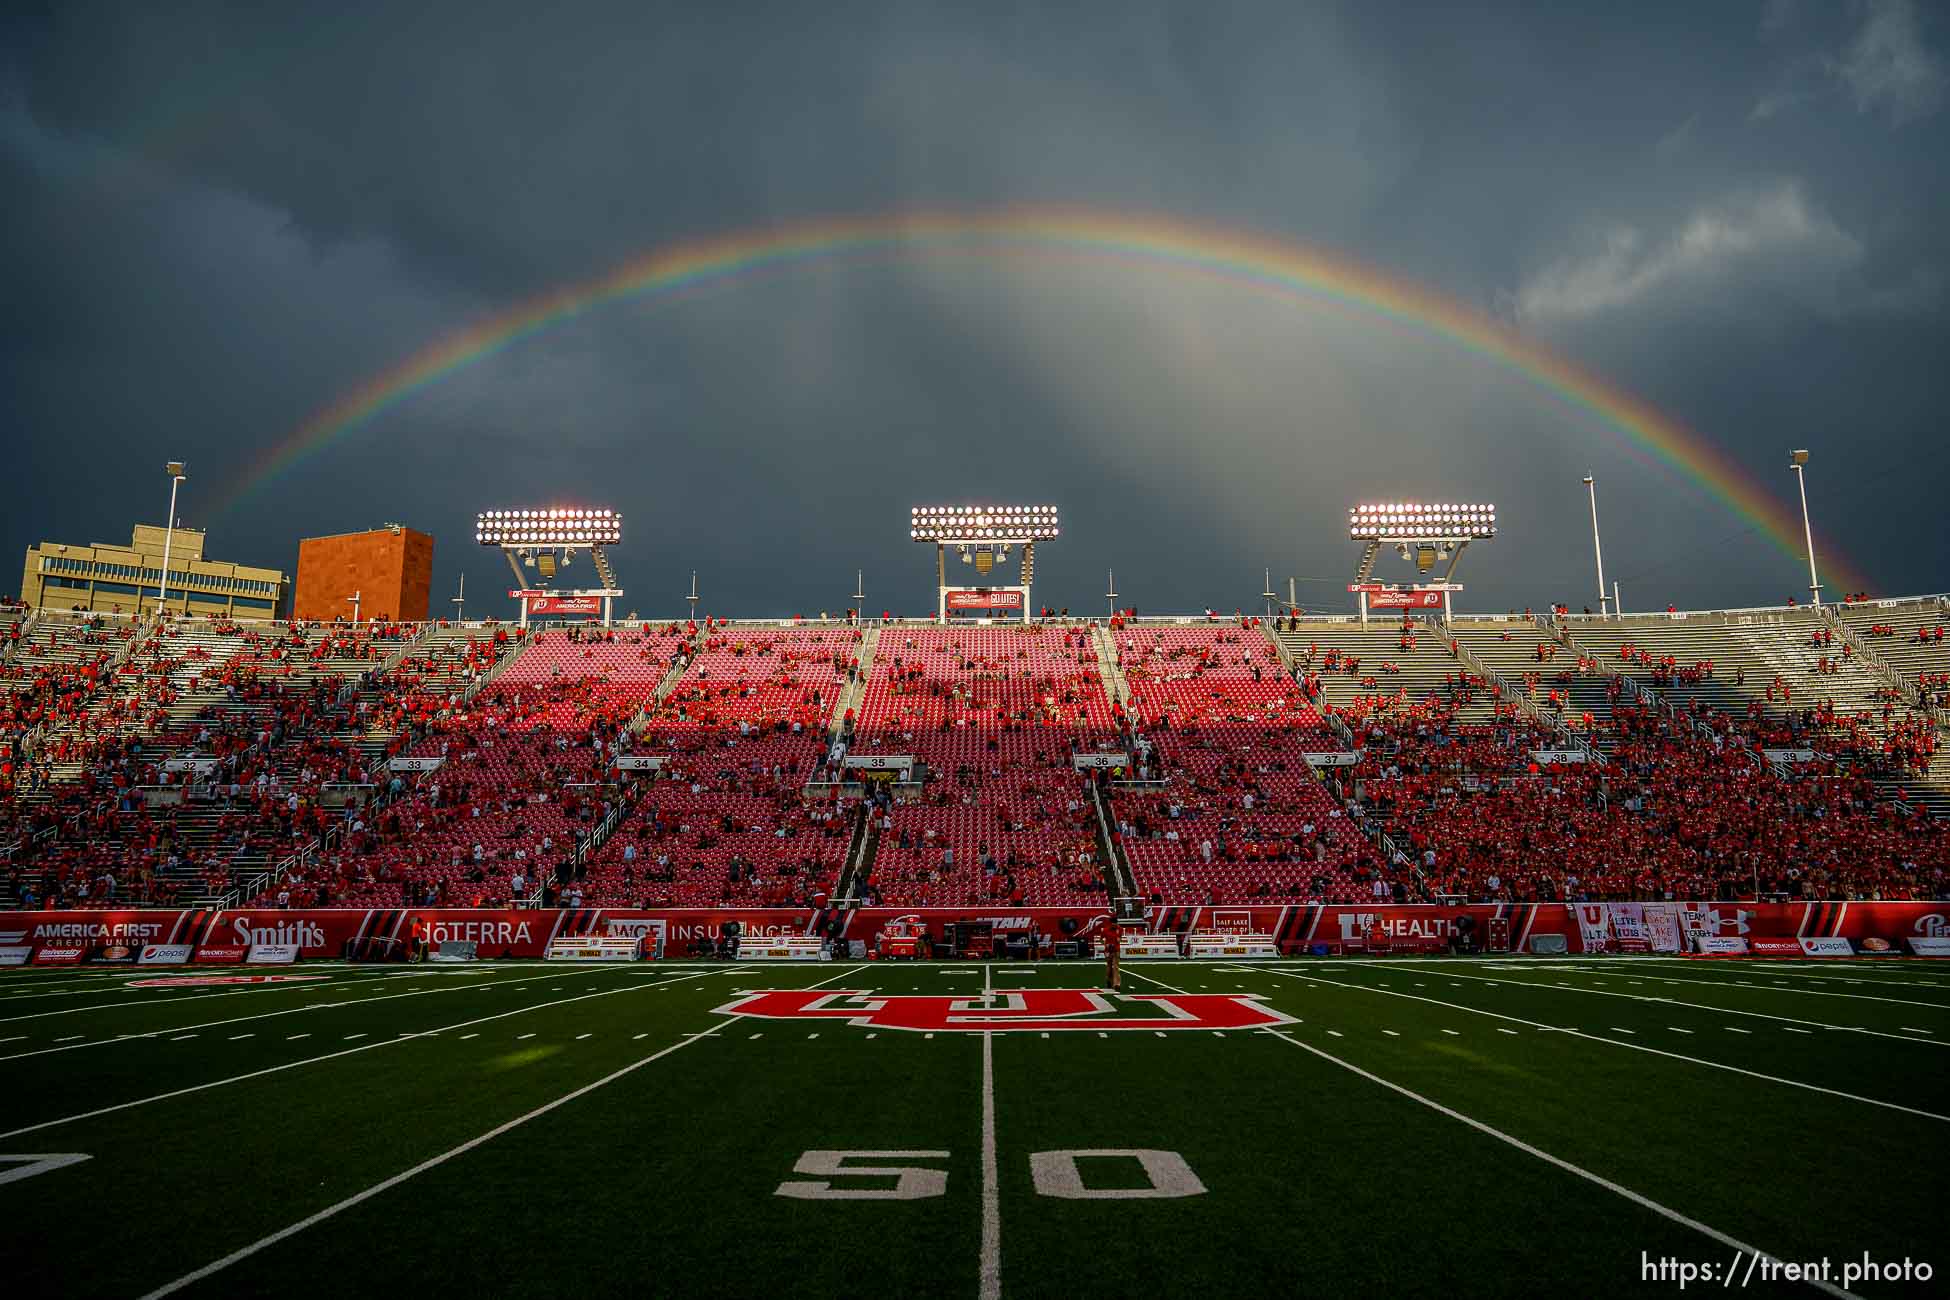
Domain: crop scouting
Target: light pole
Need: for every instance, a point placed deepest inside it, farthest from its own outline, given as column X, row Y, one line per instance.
column 1797, row 461
column 460, row 600
column 176, row 476
column 1591, row 487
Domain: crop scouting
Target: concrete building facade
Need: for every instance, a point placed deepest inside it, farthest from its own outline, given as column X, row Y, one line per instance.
column 125, row 579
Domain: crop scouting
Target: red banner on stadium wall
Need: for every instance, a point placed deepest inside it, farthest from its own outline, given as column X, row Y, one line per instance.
column 325, row 932
column 92, row 929
column 1405, row 600
column 985, row 598
column 1774, row 947
column 564, row 605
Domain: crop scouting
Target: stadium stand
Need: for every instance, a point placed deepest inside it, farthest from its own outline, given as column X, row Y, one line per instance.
column 995, row 713
column 1238, row 814
column 1780, row 751
column 740, row 732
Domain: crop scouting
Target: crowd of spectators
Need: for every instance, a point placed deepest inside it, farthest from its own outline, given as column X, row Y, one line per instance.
column 996, row 716
column 1679, row 811
column 285, row 725
column 1235, row 814
column 726, row 818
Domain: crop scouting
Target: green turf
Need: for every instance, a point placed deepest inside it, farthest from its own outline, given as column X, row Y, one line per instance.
column 1317, row 1176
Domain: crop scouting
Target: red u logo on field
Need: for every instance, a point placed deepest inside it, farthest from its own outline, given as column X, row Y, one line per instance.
column 1039, row 1009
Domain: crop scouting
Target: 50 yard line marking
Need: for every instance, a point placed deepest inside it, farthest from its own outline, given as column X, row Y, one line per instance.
column 989, row 1272
column 991, row 1259
column 434, row 1162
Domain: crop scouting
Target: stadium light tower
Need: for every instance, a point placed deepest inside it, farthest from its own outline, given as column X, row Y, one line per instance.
column 547, row 540
column 1798, row 462
column 1423, row 533
column 1591, row 487
column 983, row 537
column 176, row 476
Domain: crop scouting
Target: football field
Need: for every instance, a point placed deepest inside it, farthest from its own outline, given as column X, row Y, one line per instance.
column 1400, row 1126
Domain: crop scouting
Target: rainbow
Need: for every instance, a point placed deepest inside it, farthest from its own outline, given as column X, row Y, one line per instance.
column 1249, row 261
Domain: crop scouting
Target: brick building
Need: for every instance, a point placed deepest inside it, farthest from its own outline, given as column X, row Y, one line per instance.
column 389, row 569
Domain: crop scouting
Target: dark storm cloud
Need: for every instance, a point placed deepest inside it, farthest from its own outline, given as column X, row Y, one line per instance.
column 221, row 218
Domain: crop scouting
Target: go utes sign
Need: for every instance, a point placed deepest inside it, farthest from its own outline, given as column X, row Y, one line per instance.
column 1040, row 1009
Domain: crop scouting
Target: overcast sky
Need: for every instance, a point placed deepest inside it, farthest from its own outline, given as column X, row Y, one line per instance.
column 215, row 220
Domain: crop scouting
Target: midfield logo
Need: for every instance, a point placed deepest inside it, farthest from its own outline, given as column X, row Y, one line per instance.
column 1040, row 1009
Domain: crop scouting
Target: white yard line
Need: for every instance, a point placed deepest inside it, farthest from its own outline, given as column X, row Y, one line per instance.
column 289, row 1011
column 7, row 1000
column 1701, row 1006
column 991, row 1260
column 435, row 1162
column 140, row 1000
column 1892, row 978
column 375, row 1045
column 1784, row 987
column 1598, row 1180
column 1616, row 1042
column 330, row 1211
